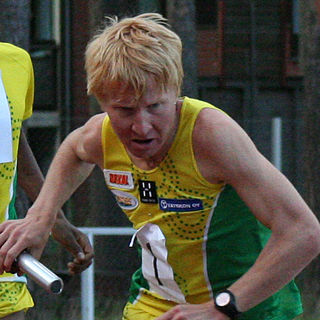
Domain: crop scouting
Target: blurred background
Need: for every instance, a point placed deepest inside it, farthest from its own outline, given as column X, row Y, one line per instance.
column 257, row 60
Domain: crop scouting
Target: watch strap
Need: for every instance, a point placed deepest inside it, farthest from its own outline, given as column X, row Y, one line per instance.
column 229, row 309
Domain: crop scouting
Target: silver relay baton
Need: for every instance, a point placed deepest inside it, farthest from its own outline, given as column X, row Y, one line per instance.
column 39, row 273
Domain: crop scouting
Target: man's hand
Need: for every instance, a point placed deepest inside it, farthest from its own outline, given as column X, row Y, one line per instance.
column 18, row 235
column 204, row 311
column 75, row 241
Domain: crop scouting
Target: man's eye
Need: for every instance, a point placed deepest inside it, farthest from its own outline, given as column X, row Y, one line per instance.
column 125, row 109
column 154, row 105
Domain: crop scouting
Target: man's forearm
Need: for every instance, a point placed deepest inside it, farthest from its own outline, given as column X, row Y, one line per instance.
column 30, row 177
column 67, row 171
column 279, row 262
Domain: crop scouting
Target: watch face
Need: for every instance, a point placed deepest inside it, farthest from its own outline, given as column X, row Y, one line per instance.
column 223, row 299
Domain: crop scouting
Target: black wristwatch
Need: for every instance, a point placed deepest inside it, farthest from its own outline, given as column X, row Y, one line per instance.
column 225, row 302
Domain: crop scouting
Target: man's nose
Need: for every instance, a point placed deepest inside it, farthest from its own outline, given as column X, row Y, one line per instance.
column 141, row 123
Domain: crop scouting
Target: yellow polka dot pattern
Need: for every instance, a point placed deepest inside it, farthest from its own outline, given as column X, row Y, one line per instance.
column 14, row 297
column 171, row 186
column 7, row 169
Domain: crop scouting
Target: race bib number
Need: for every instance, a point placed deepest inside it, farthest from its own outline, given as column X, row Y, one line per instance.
column 155, row 266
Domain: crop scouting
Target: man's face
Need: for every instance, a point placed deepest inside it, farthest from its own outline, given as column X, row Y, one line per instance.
column 146, row 126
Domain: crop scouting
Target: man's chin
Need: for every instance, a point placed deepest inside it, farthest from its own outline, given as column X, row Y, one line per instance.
column 142, row 150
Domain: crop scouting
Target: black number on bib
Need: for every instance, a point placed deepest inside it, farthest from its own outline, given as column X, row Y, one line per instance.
column 155, row 268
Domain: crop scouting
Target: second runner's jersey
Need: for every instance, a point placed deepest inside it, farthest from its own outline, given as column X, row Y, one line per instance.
column 196, row 238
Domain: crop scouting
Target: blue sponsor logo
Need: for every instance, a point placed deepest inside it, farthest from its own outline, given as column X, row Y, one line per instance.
column 180, row 205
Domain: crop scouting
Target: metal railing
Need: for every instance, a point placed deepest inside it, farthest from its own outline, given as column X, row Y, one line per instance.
column 87, row 277
column 276, row 142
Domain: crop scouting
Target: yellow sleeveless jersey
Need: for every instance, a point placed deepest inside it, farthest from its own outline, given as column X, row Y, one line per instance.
column 18, row 83
column 17, row 78
column 196, row 238
column 172, row 202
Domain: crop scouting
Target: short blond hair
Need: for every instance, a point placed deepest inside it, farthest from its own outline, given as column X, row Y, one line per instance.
column 131, row 50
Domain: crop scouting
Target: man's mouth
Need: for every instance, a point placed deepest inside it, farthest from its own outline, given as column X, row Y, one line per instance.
column 142, row 141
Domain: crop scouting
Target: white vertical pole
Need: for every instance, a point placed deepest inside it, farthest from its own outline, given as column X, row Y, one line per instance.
column 87, row 276
column 276, row 142
column 87, row 289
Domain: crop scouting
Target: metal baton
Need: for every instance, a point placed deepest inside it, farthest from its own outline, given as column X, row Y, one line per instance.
column 39, row 273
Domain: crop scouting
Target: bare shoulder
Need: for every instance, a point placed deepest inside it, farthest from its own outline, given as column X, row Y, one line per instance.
column 89, row 147
column 224, row 151
column 94, row 125
column 222, row 148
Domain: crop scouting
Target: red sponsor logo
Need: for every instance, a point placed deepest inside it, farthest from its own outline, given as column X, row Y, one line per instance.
column 120, row 179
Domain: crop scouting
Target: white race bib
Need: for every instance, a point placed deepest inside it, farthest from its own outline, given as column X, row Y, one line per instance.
column 155, row 266
column 6, row 151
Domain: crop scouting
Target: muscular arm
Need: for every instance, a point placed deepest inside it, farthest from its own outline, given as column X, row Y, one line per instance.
column 225, row 153
column 295, row 240
column 71, row 166
column 67, row 171
column 73, row 163
column 30, row 178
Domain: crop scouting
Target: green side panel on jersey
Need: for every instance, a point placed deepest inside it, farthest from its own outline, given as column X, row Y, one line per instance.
column 235, row 240
column 137, row 281
column 12, row 209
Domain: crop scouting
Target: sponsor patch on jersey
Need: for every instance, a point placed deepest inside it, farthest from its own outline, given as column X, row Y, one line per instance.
column 148, row 191
column 180, row 205
column 125, row 200
column 119, row 179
